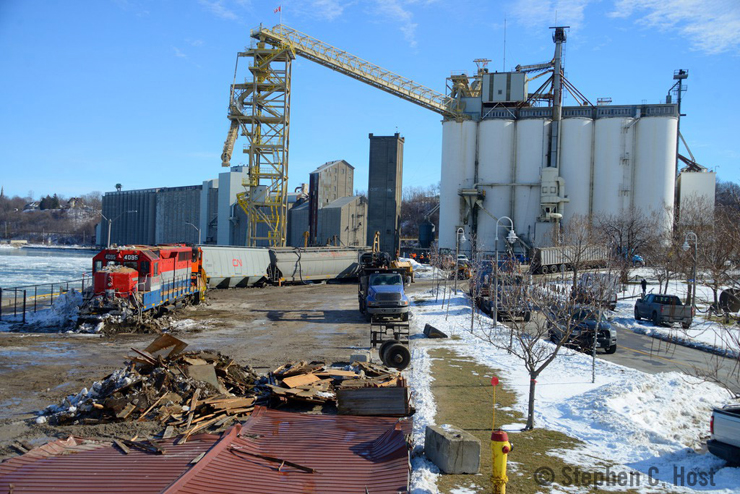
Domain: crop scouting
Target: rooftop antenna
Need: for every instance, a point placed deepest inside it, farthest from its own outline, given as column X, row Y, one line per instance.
column 503, row 69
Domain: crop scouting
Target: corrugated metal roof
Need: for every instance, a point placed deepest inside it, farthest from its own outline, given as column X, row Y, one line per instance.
column 80, row 467
column 329, row 454
column 348, row 455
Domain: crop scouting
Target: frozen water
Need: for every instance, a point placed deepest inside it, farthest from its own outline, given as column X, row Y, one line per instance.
column 30, row 266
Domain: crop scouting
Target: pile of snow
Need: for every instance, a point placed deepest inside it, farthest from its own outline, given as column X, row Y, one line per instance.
column 424, row 271
column 61, row 315
column 635, row 420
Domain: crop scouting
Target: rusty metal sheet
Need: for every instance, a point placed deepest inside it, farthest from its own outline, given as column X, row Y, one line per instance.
column 272, row 452
column 76, row 466
column 346, row 454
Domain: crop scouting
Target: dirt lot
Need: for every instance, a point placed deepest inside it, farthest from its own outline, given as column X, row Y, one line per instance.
column 261, row 327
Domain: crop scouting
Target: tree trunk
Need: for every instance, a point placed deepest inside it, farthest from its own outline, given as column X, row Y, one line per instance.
column 530, row 409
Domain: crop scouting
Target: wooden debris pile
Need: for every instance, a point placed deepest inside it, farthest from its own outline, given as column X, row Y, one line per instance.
column 186, row 392
column 315, row 383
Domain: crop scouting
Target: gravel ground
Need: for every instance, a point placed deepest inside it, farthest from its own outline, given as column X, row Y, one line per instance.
column 261, row 327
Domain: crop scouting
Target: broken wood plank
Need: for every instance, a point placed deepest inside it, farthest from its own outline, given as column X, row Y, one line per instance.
column 146, row 356
column 301, row 380
column 125, row 449
column 142, row 417
column 169, row 432
column 193, row 403
column 337, row 373
column 165, row 341
column 273, row 459
column 124, row 414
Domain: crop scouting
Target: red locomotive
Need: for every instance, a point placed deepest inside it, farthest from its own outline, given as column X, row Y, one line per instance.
column 140, row 279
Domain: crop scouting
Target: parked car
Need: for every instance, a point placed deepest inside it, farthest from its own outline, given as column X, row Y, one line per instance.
column 663, row 309
column 582, row 324
column 725, row 430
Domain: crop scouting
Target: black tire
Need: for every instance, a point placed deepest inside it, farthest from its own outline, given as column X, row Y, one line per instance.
column 637, row 315
column 686, row 325
column 405, row 316
column 656, row 319
column 552, row 337
column 612, row 349
column 527, row 316
column 383, row 347
column 397, row 356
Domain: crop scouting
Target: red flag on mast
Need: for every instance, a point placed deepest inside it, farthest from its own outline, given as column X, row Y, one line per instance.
column 279, row 9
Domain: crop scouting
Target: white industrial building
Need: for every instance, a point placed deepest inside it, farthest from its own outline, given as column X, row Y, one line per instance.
column 542, row 165
column 612, row 159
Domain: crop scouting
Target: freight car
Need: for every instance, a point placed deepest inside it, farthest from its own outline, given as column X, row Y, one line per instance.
column 143, row 281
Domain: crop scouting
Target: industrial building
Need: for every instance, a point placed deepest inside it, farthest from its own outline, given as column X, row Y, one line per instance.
column 327, row 183
column 330, row 215
column 500, row 164
column 210, row 213
column 512, row 158
column 385, row 186
column 150, row 216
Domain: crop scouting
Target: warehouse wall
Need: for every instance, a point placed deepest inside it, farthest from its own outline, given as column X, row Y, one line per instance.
column 176, row 207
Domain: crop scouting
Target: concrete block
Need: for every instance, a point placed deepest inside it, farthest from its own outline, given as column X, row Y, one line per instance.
column 360, row 356
column 432, row 332
column 453, row 450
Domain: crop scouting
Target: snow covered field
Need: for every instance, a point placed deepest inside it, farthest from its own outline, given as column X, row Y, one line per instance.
column 647, row 426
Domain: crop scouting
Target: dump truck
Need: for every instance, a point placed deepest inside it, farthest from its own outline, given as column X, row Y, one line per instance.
column 382, row 299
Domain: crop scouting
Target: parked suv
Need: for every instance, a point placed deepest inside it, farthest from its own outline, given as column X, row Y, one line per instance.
column 582, row 324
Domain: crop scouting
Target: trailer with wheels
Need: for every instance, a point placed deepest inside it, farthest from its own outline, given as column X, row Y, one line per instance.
column 393, row 338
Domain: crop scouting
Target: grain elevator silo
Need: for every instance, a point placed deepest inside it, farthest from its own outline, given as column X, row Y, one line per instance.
column 541, row 165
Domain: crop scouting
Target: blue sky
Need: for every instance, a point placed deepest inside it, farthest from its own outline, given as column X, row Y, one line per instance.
column 105, row 91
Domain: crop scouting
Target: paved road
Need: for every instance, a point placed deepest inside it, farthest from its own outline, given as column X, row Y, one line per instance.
column 652, row 355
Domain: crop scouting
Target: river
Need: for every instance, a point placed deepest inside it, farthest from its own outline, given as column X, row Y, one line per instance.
column 38, row 265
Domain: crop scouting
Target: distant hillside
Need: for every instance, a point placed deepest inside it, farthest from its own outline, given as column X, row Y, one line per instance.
column 51, row 219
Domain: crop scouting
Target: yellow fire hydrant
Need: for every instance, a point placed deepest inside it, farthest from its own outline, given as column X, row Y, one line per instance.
column 500, row 448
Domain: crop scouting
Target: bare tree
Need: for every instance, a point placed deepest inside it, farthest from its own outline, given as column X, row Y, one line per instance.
column 580, row 245
column 627, row 234
column 719, row 249
column 528, row 339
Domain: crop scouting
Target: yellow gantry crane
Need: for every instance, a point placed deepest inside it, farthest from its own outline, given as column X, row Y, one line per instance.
column 259, row 109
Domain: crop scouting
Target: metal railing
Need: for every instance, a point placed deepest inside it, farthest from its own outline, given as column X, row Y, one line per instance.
column 16, row 302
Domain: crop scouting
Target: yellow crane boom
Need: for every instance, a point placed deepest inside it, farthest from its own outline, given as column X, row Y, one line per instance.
column 357, row 68
column 259, row 109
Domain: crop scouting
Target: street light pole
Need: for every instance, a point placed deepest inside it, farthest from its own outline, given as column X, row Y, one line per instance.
column 196, row 229
column 459, row 237
column 511, row 237
column 685, row 247
column 110, row 222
